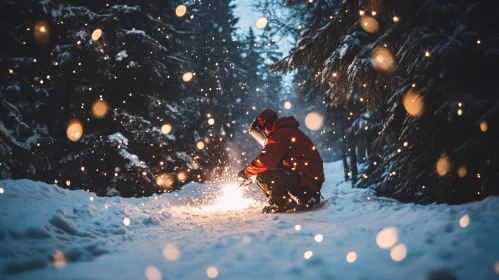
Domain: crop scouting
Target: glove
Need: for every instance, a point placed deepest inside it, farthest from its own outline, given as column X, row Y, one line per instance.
column 242, row 179
column 253, row 125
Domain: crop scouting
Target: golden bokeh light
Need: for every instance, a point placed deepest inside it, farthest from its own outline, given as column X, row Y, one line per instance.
column 126, row 221
column 462, row 171
column 41, row 32
column 212, row 271
column 383, row 59
column 2, row 190
column 464, row 221
column 387, row 237
column 171, row 253
column 413, row 103
column 165, row 180
column 96, row 34
column 100, row 109
column 152, row 273
column 399, row 252
column 287, row 105
column 484, row 126
column 396, row 19
column 182, row 176
column 443, row 166
column 166, row 128
column 261, row 23
column 351, row 257
column 187, row 77
column 74, row 130
column 314, row 121
column 200, row 145
column 211, row 121
column 308, row 254
column 369, row 24
column 181, row 10
column 59, row 259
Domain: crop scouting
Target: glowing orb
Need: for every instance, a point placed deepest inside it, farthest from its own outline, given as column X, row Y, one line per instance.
column 314, row 121
column 319, row 238
column 398, row 252
column 351, row 257
column 126, row 221
column 443, row 166
column 96, row 34
column 287, row 105
column 181, row 176
column 369, row 24
column 152, row 273
column 165, row 180
column 484, row 126
column 187, row 77
column 41, row 32
column 212, row 271
column 261, row 23
column 68, row 183
column 200, row 145
column 2, row 190
column 231, row 198
column 396, row 19
column 211, row 121
column 181, row 10
column 91, row 198
column 464, row 221
column 99, row 109
column 166, row 128
column 413, row 103
column 308, row 254
column 297, row 227
column 387, row 237
column 74, row 130
column 383, row 59
column 171, row 253
column 462, row 171
column 59, row 259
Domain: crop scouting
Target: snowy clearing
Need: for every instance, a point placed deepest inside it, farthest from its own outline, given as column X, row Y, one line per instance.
column 52, row 233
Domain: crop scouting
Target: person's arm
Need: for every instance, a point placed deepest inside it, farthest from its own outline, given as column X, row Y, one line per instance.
column 270, row 156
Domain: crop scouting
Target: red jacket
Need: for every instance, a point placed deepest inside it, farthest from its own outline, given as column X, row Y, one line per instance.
column 288, row 146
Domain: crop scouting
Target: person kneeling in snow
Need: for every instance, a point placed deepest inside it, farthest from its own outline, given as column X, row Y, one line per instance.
column 289, row 169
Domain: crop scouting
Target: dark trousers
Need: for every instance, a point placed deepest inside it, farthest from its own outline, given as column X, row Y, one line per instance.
column 283, row 190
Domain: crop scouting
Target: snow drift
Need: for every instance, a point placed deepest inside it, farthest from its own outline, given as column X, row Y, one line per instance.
column 52, row 233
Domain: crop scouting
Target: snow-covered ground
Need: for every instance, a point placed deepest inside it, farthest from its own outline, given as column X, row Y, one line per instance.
column 51, row 233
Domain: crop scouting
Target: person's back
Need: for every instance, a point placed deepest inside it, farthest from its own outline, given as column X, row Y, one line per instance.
column 289, row 169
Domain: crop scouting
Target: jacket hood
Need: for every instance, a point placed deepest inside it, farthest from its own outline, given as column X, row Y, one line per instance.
column 282, row 122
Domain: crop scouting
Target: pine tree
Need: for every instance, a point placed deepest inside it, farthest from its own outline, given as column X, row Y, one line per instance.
column 142, row 64
column 397, row 67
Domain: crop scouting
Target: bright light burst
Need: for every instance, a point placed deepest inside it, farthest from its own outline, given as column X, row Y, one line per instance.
column 231, row 198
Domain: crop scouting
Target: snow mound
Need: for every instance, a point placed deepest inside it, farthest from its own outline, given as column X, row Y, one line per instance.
column 53, row 233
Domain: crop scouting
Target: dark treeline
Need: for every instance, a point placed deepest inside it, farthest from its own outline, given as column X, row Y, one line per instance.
column 175, row 79
column 408, row 90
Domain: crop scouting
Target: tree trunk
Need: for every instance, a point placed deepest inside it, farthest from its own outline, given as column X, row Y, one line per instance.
column 361, row 157
column 346, row 168
column 353, row 161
